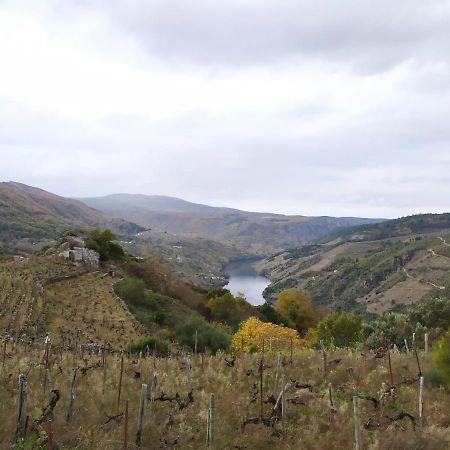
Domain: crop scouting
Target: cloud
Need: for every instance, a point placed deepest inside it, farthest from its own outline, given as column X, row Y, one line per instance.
column 337, row 108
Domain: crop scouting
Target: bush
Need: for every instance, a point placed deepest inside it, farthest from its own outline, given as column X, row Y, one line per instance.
column 340, row 329
column 208, row 336
column 102, row 243
column 151, row 343
column 132, row 290
column 229, row 310
column 441, row 359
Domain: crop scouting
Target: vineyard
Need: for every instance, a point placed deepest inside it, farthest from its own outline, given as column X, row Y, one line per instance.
column 307, row 399
column 41, row 294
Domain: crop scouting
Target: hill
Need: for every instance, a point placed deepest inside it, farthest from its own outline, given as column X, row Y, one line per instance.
column 353, row 272
column 404, row 226
column 256, row 232
column 29, row 214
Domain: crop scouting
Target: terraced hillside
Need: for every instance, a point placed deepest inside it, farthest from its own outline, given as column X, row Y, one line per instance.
column 366, row 276
column 47, row 294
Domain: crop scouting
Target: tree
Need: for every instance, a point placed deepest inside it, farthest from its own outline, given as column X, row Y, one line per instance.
column 228, row 309
column 102, row 242
column 389, row 329
column 340, row 329
column 295, row 308
column 253, row 332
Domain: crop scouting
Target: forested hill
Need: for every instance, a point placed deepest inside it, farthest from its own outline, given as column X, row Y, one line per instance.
column 404, row 226
column 258, row 232
column 28, row 214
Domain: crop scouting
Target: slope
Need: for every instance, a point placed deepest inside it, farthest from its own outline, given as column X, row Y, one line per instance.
column 257, row 232
column 28, row 214
column 370, row 276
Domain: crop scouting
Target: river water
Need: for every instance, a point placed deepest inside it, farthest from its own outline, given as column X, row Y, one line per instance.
column 244, row 280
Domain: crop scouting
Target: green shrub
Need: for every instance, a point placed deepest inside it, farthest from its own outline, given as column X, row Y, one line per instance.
column 340, row 329
column 151, row 343
column 208, row 336
column 132, row 290
column 102, row 242
column 441, row 358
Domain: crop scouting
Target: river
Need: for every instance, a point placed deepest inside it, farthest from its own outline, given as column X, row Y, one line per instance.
column 245, row 280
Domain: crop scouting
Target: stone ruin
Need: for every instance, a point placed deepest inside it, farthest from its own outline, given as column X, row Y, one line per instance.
column 76, row 252
column 83, row 255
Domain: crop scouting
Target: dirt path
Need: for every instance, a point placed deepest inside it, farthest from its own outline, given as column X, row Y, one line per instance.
column 423, row 281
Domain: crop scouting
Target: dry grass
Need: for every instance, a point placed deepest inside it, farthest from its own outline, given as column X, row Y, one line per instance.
column 309, row 424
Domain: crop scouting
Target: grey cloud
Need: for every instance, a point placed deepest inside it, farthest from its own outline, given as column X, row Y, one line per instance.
column 366, row 36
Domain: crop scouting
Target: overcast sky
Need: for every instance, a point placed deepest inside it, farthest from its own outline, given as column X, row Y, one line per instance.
column 293, row 106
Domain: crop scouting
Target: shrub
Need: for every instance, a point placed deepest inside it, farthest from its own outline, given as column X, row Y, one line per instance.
column 132, row 290
column 441, row 358
column 208, row 336
column 151, row 343
column 340, row 329
column 102, row 242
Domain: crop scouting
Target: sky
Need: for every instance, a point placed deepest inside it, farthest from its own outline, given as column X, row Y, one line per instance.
column 292, row 106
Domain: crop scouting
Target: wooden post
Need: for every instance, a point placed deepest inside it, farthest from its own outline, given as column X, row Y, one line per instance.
column 153, row 383
column 421, row 401
column 21, row 415
column 141, row 415
column 195, row 342
column 358, row 439
column 49, row 435
column 125, row 427
column 413, row 340
column 210, row 419
column 4, row 353
column 71, row 395
column 390, row 368
column 324, row 357
column 270, row 343
column 187, row 363
column 120, row 382
column 104, row 373
column 277, row 373
column 418, row 362
column 291, row 350
column 330, row 397
column 406, row 346
column 261, row 370
column 283, row 397
column 426, row 344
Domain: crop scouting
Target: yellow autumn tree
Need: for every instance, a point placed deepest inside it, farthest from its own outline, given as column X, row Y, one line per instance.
column 253, row 332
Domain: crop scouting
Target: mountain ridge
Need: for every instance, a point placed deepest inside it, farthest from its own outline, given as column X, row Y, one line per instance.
column 255, row 231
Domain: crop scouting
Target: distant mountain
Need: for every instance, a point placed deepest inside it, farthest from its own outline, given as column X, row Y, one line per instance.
column 404, row 226
column 257, row 232
column 370, row 269
column 31, row 213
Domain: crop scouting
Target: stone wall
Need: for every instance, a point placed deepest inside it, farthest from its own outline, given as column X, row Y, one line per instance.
column 84, row 256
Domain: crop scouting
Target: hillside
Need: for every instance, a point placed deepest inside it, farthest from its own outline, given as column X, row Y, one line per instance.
column 404, row 226
column 197, row 260
column 256, row 232
column 29, row 214
column 46, row 294
column 370, row 276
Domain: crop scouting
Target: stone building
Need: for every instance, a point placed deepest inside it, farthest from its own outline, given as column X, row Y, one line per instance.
column 86, row 256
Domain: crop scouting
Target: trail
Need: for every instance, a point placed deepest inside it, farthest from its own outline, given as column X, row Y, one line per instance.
column 423, row 281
